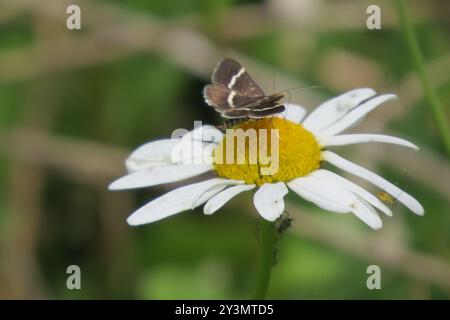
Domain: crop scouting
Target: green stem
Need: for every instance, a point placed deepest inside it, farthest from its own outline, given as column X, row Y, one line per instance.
column 267, row 238
column 438, row 111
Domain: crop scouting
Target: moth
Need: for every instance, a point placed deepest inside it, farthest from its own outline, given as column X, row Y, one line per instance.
column 234, row 94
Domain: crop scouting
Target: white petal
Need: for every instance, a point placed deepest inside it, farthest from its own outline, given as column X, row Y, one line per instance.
column 293, row 112
column 356, row 114
column 192, row 152
column 215, row 190
column 217, row 202
column 268, row 200
column 347, row 184
column 322, row 193
column 380, row 182
column 331, row 195
column 149, row 155
column 346, row 139
column 160, row 152
column 173, row 202
column 334, row 109
column 158, row 175
column 366, row 213
column 206, row 133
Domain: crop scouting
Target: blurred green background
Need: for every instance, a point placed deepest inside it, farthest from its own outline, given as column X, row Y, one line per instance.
column 74, row 103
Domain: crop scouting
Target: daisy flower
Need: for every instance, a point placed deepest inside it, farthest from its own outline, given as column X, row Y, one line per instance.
column 303, row 148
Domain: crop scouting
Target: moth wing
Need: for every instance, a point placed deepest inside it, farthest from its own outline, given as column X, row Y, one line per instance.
column 223, row 98
column 231, row 74
column 217, row 97
column 242, row 102
column 234, row 114
column 255, row 114
column 268, row 111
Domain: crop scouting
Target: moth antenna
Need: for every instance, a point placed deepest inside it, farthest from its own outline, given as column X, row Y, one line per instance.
column 273, row 83
column 290, row 96
column 301, row 87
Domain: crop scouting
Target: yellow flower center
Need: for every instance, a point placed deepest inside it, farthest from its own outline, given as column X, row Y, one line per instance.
column 267, row 150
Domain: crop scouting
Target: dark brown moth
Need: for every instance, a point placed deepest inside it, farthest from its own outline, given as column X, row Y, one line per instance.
column 234, row 94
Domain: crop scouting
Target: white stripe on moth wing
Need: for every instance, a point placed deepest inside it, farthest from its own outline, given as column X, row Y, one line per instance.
column 262, row 109
column 230, row 98
column 235, row 77
column 205, row 96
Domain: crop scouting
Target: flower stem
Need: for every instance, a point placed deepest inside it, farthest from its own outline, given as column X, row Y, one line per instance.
column 433, row 99
column 267, row 239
